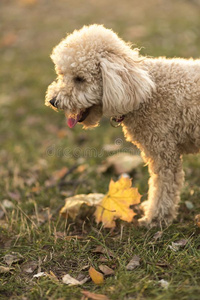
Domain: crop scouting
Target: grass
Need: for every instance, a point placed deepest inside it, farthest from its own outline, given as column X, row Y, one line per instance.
column 35, row 143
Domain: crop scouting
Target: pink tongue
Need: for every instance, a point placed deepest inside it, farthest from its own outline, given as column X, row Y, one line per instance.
column 71, row 122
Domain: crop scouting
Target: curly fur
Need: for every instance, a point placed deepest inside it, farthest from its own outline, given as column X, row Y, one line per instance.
column 159, row 97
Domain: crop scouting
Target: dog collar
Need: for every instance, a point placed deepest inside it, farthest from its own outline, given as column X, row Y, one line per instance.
column 116, row 121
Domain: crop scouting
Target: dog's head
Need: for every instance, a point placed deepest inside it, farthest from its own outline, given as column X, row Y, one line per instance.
column 98, row 73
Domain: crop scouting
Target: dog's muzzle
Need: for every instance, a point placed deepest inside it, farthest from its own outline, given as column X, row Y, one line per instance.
column 53, row 102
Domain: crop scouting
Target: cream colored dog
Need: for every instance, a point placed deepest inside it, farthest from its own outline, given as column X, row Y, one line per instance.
column 157, row 100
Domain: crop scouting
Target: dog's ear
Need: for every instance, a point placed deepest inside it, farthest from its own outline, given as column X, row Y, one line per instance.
column 126, row 83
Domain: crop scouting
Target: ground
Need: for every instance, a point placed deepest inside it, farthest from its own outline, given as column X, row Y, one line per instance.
column 42, row 161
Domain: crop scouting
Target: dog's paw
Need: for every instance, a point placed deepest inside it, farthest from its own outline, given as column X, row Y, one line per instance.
column 155, row 217
column 155, row 222
column 144, row 222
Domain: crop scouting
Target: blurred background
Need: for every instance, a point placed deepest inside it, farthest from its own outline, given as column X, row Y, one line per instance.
column 35, row 143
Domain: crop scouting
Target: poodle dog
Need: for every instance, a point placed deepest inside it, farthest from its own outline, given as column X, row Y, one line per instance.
column 157, row 101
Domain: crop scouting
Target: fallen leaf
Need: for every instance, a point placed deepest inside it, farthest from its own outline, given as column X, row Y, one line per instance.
column 29, row 267
column 40, row 274
column 189, row 205
column 157, row 235
column 94, row 296
column 96, row 276
column 103, row 250
column 175, row 246
column 197, row 220
column 81, row 168
column 7, row 204
column 69, row 280
column 31, row 180
column 121, row 162
column 116, row 204
column 59, row 174
column 133, row 263
column 14, row 195
column 73, row 204
column 5, row 269
column 81, row 277
column 182, row 242
column 12, row 258
column 164, row 284
column 103, row 259
column 106, row 270
column 36, row 189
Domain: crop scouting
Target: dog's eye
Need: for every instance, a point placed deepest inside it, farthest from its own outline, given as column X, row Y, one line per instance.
column 79, row 79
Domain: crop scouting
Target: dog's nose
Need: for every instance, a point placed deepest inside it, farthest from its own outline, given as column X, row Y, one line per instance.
column 52, row 101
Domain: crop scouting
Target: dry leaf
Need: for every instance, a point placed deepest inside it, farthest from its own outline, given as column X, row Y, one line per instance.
column 81, row 168
column 96, row 277
column 189, row 205
column 116, row 204
column 36, row 189
column 106, row 270
column 177, row 245
column 73, row 204
column 81, row 276
column 164, row 283
column 121, row 162
column 57, row 175
column 103, row 250
column 29, row 267
column 40, row 274
column 197, row 220
column 181, row 242
column 174, row 247
column 157, row 235
column 134, row 262
column 14, row 195
column 5, row 269
column 7, row 204
column 69, row 280
column 14, row 257
column 94, row 296
column 103, row 259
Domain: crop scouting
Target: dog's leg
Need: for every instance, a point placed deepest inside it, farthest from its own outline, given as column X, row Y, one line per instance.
column 166, row 180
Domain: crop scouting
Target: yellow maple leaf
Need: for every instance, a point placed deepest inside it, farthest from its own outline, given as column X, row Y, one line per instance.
column 96, row 276
column 116, row 204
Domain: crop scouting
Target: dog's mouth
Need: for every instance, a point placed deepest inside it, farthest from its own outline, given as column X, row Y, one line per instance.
column 78, row 118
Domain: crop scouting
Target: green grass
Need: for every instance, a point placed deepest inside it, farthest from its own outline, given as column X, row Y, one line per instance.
column 35, row 142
